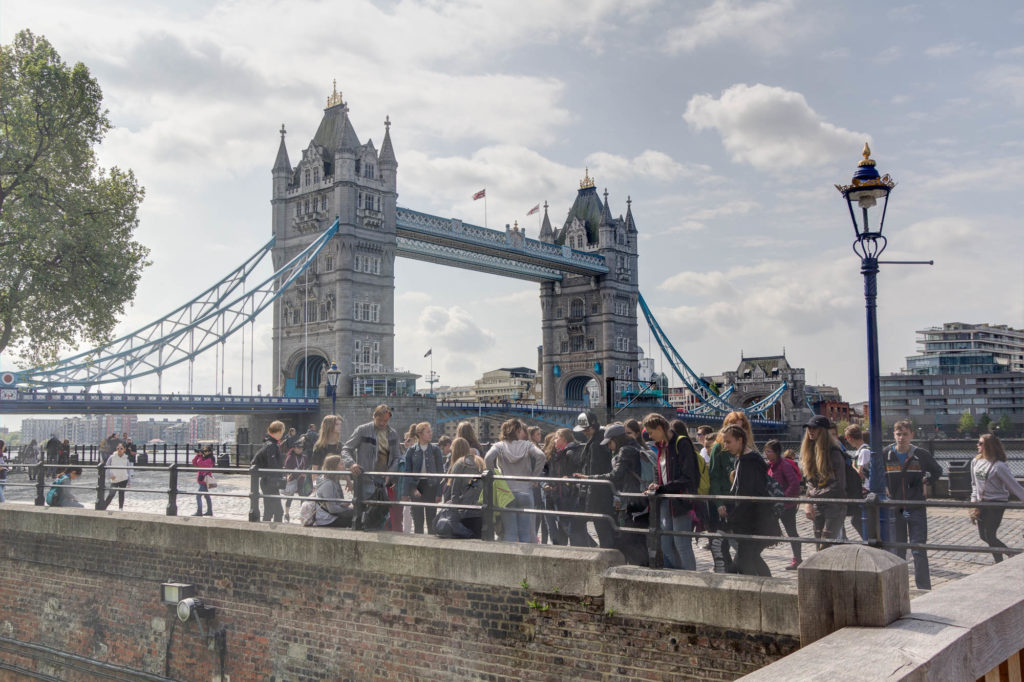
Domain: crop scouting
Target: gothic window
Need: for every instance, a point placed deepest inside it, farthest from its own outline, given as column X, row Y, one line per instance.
column 323, row 312
column 577, row 308
column 307, row 206
column 621, row 307
column 369, row 171
column 316, row 175
column 565, row 346
column 328, row 262
column 620, row 237
column 305, row 176
column 297, row 207
column 358, row 163
column 560, row 312
column 368, row 201
column 594, row 308
column 311, row 310
column 576, row 343
column 590, row 344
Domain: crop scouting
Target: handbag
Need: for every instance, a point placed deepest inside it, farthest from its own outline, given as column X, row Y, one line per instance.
column 210, row 481
column 291, row 487
column 374, row 515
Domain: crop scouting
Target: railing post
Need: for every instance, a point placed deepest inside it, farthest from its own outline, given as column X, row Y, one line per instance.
column 254, row 494
column 357, row 502
column 874, row 524
column 172, row 489
column 655, row 557
column 165, row 455
column 101, row 484
column 487, row 513
column 40, row 484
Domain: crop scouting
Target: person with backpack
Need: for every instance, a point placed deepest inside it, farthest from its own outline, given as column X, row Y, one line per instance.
column 60, row 494
column 203, row 460
column 787, row 474
column 857, row 463
column 720, row 479
column 465, row 461
column 514, row 455
column 595, row 459
column 908, row 469
column 676, row 473
column 625, row 476
column 824, row 468
column 272, row 482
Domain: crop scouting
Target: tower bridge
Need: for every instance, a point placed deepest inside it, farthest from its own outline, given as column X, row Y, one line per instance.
column 337, row 232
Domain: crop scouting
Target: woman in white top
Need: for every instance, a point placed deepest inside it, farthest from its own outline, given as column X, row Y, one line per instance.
column 991, row 481
column 119, row 475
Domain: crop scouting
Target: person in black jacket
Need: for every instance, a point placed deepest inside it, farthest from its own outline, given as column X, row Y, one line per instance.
column 596, row 459
column 749, row 517
column 271, row 483
column 676, row 473
column 907, row 469
column 625, row 476
column 563, row 462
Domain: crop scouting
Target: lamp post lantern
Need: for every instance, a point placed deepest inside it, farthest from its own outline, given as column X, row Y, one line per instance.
column 332, row 385
column 863, row 194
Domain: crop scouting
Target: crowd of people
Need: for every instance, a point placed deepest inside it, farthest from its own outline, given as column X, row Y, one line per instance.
column 611, row 479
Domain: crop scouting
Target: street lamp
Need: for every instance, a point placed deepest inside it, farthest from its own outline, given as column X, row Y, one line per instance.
column 863, row 193
column 332, row 385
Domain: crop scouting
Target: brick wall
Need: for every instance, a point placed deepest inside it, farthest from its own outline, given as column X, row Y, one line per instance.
column 312, row 604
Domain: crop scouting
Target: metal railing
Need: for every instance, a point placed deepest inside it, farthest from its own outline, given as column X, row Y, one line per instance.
column 871, row 507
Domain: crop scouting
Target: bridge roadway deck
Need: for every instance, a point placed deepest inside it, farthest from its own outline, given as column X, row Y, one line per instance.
column 39, row 402
column 945, row 526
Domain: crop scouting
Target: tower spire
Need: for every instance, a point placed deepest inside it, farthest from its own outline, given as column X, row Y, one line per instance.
column 546, row 233
column 281, row 163
column 386, row 158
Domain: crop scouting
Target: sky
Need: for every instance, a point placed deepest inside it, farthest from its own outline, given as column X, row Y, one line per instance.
column 728, row 124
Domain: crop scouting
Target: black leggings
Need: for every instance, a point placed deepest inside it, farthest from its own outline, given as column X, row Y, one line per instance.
column 988, row 523
column 788, row 519
column 118, row 489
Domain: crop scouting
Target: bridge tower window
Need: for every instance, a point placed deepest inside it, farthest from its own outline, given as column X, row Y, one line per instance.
column 577, row 308
column 316, row 175
column 305, row 177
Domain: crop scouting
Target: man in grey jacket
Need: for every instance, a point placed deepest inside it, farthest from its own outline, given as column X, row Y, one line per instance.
column 372, row 447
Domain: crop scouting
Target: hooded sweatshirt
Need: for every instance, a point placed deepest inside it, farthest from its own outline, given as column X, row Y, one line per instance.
column 516, row 458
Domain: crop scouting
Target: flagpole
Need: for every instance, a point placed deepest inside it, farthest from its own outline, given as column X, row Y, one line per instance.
column 485, row 207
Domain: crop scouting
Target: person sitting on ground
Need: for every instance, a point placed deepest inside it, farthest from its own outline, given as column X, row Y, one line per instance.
column 331, row 509
column 64, row 497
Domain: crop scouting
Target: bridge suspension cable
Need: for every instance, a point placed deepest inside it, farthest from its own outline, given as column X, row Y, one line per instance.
column 208, row 319
column 711, row 402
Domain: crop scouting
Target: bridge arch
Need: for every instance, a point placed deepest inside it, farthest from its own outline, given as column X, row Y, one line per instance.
column 574, row 390
column 304, row 372
column 773, row 413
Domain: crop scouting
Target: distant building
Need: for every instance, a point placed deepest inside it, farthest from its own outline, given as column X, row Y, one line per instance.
column 961, row 368
column 758, row 377
column 506, row 385
column 459, row 393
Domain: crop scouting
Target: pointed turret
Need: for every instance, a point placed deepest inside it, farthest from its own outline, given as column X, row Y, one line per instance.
column 630, row 225
column 606, row 213
column 282, row 163
column 335, row 132
column 546, row 233
column 387, row 152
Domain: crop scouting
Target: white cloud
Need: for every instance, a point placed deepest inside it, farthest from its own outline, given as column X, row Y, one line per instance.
column 944, row 49
column 648, row 164
column 768, row 26
column 1006, row 80
column 454, row 328
column 770, row 128
column 888, row 55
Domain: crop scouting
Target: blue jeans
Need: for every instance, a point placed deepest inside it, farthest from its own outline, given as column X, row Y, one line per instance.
column 913, row 523
column 199, row 500
column 518, row 526
column 677, row 549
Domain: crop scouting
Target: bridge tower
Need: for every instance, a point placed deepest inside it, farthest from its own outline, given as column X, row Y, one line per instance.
column 589, row 323
column 342, row 310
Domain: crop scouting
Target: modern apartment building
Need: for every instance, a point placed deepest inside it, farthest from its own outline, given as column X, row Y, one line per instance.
column 977, row 369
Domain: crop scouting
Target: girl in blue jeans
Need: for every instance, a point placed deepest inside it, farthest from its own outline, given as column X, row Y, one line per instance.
column 676, row 473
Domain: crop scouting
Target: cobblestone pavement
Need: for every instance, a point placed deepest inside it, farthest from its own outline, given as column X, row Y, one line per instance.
column 148, row 494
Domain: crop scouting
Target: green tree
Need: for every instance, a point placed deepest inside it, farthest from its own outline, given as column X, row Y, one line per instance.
column 70, row 263
column 984, row 423
column 967, row 424
column 1005, row 425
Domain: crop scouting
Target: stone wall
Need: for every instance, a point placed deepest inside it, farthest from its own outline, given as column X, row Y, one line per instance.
column 79, row 592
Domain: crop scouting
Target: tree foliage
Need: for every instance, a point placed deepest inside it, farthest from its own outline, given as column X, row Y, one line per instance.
column 967, row 424
column 69, row 260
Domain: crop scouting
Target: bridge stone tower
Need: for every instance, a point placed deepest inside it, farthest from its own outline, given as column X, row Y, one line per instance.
column 589, row 323
column 342, row 309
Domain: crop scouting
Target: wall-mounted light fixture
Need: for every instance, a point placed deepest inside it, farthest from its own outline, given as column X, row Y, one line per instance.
column 172, row 593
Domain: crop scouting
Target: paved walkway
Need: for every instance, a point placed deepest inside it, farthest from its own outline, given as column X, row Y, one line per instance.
column 148, row 494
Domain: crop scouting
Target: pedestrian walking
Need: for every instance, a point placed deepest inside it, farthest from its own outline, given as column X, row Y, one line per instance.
column 295, row 483
column 748, row 517
column 908, row 469
column 720, row 484
column 271, row 482
column 787, row 474
column 676, row 473
column 32, row 458
column 119, row 470
column 204, row 461
column 824, row 469
column 991, row 481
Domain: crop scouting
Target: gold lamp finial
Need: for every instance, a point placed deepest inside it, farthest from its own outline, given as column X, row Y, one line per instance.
column 867, row 161
column 335, row 98
column 587, row 181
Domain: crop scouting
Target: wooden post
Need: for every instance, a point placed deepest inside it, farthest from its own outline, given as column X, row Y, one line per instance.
column 849, row 585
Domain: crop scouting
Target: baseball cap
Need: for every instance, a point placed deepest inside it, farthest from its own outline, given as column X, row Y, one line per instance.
column 584, row 421
column 818, row 421
column 613, row 431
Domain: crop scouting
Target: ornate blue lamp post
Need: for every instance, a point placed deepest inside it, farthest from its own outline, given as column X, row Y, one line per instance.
column 332, row 385
column 862, row 194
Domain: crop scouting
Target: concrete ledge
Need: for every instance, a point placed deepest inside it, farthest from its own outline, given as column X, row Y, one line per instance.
column 958, row 632
column 566, row 570
column 734, row 602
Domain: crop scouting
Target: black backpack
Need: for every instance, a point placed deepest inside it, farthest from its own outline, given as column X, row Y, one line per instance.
column 854, row 487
